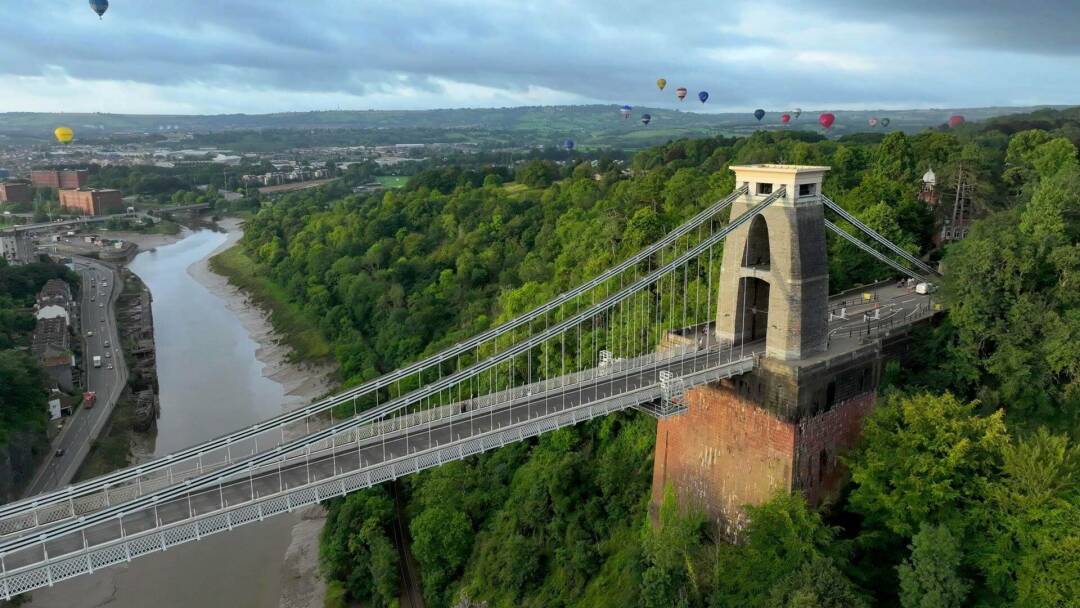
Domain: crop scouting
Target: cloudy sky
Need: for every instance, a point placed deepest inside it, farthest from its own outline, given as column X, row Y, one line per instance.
column 218, row 56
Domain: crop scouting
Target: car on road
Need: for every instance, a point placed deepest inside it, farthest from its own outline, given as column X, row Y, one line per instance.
column 100, row 304
column 90, row 334
column 108, row 354
column 101, row 320
column 109, row 366
column 106, row 344
column 60, row 452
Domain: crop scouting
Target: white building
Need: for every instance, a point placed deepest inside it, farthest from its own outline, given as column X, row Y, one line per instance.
column 53, row 310
column 16, row 248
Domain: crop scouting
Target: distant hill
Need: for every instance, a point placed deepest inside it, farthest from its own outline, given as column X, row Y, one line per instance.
column 588, row 125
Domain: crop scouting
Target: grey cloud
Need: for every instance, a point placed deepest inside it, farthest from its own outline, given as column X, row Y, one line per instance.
column 605, row 50
column 1041, row 27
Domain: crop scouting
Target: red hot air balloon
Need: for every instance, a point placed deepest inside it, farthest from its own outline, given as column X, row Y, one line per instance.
column 785, row 118
column 680, row 93
column 872, row 122
column 956, row 120
column 826, row 119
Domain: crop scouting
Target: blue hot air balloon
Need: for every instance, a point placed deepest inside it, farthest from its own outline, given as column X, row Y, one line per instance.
column 703, row 96
column 645, row 118
column 99, row 7
column 759, row 113
column 568, row 144
column 626, row 111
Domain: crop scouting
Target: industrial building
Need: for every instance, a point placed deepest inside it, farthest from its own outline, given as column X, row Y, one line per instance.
column 60, row 179
column 15, row 192
column 86, row 201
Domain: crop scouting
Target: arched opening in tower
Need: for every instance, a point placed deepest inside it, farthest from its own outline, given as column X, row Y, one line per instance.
column 756, row 253
column 754, row 303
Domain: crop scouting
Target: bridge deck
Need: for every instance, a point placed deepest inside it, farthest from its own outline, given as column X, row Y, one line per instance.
column 346, row 465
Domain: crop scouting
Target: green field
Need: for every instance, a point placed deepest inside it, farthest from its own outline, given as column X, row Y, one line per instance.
column 392, row 181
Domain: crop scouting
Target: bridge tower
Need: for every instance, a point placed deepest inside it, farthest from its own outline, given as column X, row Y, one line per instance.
column 782, row 426
column 774, row 282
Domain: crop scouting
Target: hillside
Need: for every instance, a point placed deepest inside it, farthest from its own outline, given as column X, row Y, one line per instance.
column 588, row 125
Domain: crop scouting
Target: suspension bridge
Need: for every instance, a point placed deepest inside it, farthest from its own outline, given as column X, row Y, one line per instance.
column 643, row 334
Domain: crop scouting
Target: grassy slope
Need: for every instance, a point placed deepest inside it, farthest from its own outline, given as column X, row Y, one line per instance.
column 392, row 181
column 298, row 329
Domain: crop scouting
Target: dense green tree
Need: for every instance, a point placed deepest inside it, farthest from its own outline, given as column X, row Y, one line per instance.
column 818, row 583
column 1013, row 299
column 894, row 159
column 22, row 394
column 671, row 545
column 924, row 458
column 1030, row 549
column 537, row 174
column 784, row 536
column 356, row 547
column 930, row 578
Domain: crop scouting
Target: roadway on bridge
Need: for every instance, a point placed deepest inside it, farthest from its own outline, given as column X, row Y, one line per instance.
column 378, row 450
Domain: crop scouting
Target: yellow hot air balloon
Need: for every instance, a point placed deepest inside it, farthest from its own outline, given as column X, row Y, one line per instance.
column 661, row 83
column 64, row 135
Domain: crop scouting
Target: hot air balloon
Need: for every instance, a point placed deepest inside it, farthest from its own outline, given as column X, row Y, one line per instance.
column 872, row 122
column 798, row 113
column 884, row 122
column 568, row 144
column 661, row 83
column 956, row 120
column 703, row 96
column 826, row 119
column 785, row 118
column 64, row 135
column 625, row 111
column 645, row 118
column 680, row 93
column 99, row 7
column 759, row 113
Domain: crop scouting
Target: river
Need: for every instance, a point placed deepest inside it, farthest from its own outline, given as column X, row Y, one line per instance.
column 211, row 381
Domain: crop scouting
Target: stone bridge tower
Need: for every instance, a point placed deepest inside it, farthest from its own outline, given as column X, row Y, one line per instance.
column 774, row 282
column 782, row 426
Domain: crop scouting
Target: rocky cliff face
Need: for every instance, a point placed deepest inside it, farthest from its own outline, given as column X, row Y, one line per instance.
column 18, row 461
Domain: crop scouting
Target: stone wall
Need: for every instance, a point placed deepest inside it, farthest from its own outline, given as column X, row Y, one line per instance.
column 821, row 440
column 735, row 445
column 721, row 454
